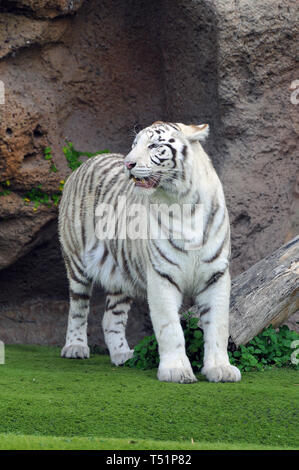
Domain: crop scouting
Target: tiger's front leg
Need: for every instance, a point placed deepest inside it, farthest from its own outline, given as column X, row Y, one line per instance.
column 164, row 300
column 213, row 305
column 114, row 327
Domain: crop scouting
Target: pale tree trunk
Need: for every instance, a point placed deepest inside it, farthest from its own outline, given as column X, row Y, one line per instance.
column 265, row 294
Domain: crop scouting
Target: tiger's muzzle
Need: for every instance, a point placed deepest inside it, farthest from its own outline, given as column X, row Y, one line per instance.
column 141, row 175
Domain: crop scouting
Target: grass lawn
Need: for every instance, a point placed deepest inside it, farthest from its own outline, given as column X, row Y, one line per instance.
column 51, row 403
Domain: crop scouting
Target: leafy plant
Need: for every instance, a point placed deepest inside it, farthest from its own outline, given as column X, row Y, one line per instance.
column 72, row 155
column 53, row 168
column 61, row 185
column 270, row 348
column 38, row 196
column 193, row 340
column 48, row 153
column 55, row 199
column 146, row 354
column 48, row 156
column 5, row 192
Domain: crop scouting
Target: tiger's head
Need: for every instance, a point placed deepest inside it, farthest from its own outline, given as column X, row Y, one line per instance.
column 161, row 155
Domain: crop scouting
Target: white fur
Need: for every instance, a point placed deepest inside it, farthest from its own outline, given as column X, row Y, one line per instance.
column 165, row 279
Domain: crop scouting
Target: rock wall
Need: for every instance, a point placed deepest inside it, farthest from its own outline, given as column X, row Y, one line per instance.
column 90, row 72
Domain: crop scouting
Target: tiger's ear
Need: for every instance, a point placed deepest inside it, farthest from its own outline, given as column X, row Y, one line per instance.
column 195, row 133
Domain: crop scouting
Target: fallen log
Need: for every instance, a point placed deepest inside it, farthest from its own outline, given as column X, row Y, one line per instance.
column 267, row 293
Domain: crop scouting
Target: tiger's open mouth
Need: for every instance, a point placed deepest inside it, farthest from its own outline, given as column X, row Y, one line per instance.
column 147, row 183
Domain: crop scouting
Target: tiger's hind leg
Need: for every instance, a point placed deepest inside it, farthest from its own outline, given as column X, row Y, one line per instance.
column 114, row 326
column 80, row 289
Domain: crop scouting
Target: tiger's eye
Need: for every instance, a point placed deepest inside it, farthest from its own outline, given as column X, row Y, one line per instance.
column 152, row 146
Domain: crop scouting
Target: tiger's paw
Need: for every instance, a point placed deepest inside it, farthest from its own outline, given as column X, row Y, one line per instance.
column 75, row 351
column 179, row 371
column 222, row 373
column 119, row 359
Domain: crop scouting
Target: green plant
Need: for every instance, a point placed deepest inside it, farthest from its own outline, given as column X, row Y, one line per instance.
column 48, row 153
column 193, row 340
column 61, row 185
column 72, row 155
column 48, row 156
column 38, row 196
column 270, row 348
column 53, row 168
column 5, row 192
column 55, row 199
column 146, row 354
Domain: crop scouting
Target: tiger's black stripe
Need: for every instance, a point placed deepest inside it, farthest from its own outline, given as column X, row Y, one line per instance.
column 219, row 250
column 213, row 211
column 170, row 240
column 216, row 230
column 174, row 153
column 78, row 315
column 78, row 295
column 85, row 281
column 185, row 152
column 213, row 279
column 203, row 309
column 126, row 265
column 124, row 300
column 99, row 189
column 109, row 182
column 171, row 124
column 164, row 256
column 194, row 204
column 104, row 255
column 114, row 294
column 115, row 194
column 140, row 272
column 165, row 276
column 82, row 208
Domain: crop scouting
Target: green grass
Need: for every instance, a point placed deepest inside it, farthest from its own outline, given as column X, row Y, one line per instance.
column 49, row 402
column 15, row 442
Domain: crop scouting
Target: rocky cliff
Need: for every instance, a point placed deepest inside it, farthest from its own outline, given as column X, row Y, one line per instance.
column 89, row 72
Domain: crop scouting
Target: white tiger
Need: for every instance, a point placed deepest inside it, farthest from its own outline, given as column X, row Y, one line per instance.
column 167, row 165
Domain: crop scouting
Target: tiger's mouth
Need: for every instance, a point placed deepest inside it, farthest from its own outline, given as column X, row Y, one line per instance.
column 147, row 183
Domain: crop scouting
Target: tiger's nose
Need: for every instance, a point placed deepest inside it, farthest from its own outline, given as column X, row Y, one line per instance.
column 130, row 165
